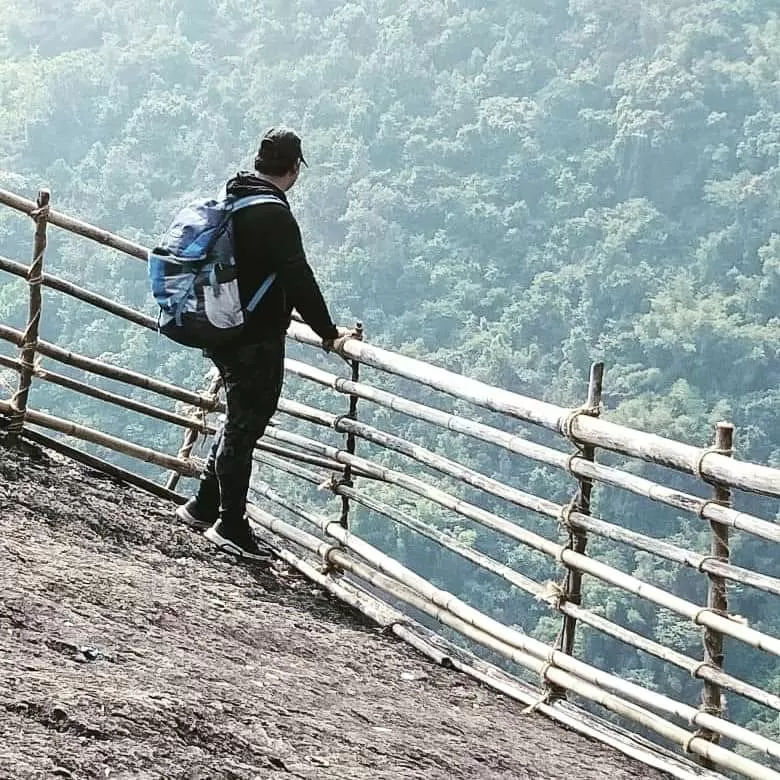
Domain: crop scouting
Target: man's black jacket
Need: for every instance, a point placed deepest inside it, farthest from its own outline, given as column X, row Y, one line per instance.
column 267, row 239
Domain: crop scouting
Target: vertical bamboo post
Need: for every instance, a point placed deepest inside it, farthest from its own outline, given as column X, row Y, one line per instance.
column 350, row 445
column 191, row 434
column 581, row 503
column 29, row 343
column 711, row 699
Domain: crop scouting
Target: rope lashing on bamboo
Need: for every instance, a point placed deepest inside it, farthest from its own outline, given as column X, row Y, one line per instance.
column 27, row 346
column 703, row 665
column 707, row 558
column 564, row 515
column 697, row 466
column 332, row 483
column 686, row 743
column 553, row 594
column 42, row 212
column 702, row 733
column 568, row 421
column 549, row 691
column 570, row 461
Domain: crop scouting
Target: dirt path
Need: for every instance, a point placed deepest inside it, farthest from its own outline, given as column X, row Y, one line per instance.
column 129, row 650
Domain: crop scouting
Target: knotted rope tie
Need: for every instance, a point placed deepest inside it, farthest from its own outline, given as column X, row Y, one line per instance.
column 564, row 515
column 546, row 694
column 686, row 744
column 704, row 504
column 697, row 467
column 706, row 558
column 695, row 671
column 568, row 421
column 28, row 342
column 338, row 420
column 333, row 483
column 41, row 213
column 553, row 594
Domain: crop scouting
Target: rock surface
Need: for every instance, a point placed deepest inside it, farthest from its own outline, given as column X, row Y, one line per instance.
column 128, row 649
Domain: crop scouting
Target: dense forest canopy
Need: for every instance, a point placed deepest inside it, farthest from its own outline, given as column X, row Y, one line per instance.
column 512, row 189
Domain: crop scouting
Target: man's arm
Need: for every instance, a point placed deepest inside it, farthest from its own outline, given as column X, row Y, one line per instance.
column 299, row 282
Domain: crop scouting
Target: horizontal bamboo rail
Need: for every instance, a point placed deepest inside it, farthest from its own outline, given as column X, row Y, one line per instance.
column 79, row 293
column 596, row 432
column 108, row 397
column 100, row 368
column 77, row 226
column 104, row 466
column 704, row 508
column 104, row 440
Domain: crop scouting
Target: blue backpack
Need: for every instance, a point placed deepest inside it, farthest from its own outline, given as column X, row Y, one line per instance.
column 194, row 276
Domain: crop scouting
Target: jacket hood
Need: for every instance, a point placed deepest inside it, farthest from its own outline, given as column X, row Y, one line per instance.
column 246, row 183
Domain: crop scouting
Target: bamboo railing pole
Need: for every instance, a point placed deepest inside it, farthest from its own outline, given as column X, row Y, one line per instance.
column 103, row 465
column 578, row 540
column 302, row 457
column 105, row 395
column 104, row 440
column 711, row 701
column 191, row 435
column 86, row 296
column 77, row 226
column 29, row 340
column 113, row 372
column 350, row 439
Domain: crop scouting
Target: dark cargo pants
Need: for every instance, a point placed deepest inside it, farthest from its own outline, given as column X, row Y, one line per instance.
column 252, row 375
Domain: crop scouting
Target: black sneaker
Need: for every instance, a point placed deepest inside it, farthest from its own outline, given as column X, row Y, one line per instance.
column 239, row 542
column 194, row 515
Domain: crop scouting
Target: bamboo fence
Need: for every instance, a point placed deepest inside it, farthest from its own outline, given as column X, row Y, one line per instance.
column 426, row 478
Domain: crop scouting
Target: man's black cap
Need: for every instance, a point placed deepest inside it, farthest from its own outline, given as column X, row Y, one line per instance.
column 280, row 144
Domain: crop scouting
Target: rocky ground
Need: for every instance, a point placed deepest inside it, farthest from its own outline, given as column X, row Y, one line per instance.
column 128, row 649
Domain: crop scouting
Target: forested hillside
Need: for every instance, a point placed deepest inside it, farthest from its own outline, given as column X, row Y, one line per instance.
column 511, row 189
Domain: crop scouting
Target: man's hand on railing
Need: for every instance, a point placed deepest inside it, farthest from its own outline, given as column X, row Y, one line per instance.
column 337, row 345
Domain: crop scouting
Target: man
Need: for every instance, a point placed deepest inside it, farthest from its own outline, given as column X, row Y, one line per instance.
column 266, row 240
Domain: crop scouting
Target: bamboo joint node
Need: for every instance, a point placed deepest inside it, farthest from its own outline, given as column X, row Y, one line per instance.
column 708, row 502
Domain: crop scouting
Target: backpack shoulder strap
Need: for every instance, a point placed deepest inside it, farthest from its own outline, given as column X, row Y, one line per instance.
column 256, row 200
